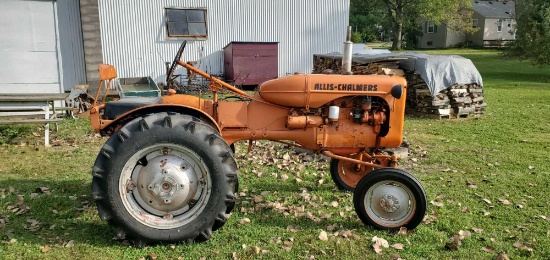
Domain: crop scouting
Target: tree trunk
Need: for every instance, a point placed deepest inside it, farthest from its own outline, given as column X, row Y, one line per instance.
column 397, row 14
column 397, row 36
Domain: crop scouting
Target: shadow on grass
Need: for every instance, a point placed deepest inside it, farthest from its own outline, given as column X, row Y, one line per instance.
column 63, row 211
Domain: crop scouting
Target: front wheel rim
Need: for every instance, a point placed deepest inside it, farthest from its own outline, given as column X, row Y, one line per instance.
column 390, row 204
column 165, row 186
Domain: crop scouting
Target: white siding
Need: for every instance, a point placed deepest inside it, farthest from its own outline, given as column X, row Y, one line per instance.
column 133, row 33
column 28, row 47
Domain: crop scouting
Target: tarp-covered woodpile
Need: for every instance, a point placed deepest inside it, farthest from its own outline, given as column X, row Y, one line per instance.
column 439, row 85
column 459, row 100
column 363, row 66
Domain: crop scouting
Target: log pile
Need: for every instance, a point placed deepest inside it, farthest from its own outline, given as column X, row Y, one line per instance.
column 322, row 63
column 460, row 100
column 457, row 101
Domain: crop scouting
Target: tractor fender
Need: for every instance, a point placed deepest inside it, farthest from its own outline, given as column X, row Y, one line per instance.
column 120, row 121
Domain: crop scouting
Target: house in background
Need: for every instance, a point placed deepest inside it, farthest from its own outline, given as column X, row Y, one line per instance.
column 495, row 22
column 50, row 46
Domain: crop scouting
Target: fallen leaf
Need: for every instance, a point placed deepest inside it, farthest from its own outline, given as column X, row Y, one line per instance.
column 256, row 250
column 471, row 185
column 244, row 220
column 334, row 204
column 488, row 249
column 502, row 256
column 402, row 231
column 451, row 247
column 504, row 201
column 383, row 242
column 45, row 249
column 258, row 199
column 398, row 246
column 464, row 234
column 395, row 257
column 377, row 248
column 521, row 246
column 477, row 230
column 437, row 204
column 456, row 240
column 345, row 233
column 331, row 228
column 286, row 157
column 293, row 228
column 487, row 201
column 70, row 244
column 151, row 256
column 323, row 236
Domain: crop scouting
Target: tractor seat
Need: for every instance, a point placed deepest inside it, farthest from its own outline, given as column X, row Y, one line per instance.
column 114, row 109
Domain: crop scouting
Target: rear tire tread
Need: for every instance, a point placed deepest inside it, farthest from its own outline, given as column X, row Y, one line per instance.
column 215, row 141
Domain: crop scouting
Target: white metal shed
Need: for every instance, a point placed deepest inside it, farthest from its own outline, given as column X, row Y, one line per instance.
column 40, row 46
column 134, row 35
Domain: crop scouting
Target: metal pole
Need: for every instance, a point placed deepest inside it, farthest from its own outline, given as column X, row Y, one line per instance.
column 346, row 57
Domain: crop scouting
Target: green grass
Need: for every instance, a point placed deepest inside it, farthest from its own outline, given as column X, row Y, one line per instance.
column 497, row 152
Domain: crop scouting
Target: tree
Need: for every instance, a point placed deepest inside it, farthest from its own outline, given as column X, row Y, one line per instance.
column 402, row 13
column 367, row 19
column 533, row 32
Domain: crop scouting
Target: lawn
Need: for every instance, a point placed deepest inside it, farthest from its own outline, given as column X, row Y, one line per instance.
column 486, row 178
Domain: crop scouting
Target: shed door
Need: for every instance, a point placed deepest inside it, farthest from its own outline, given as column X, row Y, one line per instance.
column 28, row 47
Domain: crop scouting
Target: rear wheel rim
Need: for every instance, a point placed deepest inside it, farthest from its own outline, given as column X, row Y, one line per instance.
column 390, row 204
column 165, row 186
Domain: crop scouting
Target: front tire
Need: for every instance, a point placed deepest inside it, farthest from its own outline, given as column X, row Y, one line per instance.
column 390, row 198
column 165, row 178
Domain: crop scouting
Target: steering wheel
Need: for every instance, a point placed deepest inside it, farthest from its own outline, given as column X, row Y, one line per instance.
column 175, row 62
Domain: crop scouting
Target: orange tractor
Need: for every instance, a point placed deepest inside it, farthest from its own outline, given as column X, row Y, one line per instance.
column 167, row 173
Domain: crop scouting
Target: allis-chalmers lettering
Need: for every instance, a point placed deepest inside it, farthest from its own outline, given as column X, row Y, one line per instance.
column 346, row 87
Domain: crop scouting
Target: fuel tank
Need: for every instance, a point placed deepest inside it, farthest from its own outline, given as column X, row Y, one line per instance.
column 316, row 90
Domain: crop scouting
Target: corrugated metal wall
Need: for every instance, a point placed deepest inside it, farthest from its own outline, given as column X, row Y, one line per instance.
column 133, row 33
column 70, row 44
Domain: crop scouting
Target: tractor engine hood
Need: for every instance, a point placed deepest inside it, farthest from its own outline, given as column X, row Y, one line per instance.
column 316, row 90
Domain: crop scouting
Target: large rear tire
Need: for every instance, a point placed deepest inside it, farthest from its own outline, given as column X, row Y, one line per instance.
column 165, row 178
column 390, row 198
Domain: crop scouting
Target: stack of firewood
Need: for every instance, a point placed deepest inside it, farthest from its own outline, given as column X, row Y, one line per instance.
column 460, row 100
column 321, row 63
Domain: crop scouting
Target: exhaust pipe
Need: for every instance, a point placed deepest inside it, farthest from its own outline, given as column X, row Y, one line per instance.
column 346, row 57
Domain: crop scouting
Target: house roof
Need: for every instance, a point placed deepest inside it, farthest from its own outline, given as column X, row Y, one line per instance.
column 495, row 9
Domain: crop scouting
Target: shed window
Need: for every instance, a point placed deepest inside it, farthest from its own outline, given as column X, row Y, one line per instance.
column 474, row 23
column 499, row 25
column 186, row 23
column 431, row 27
